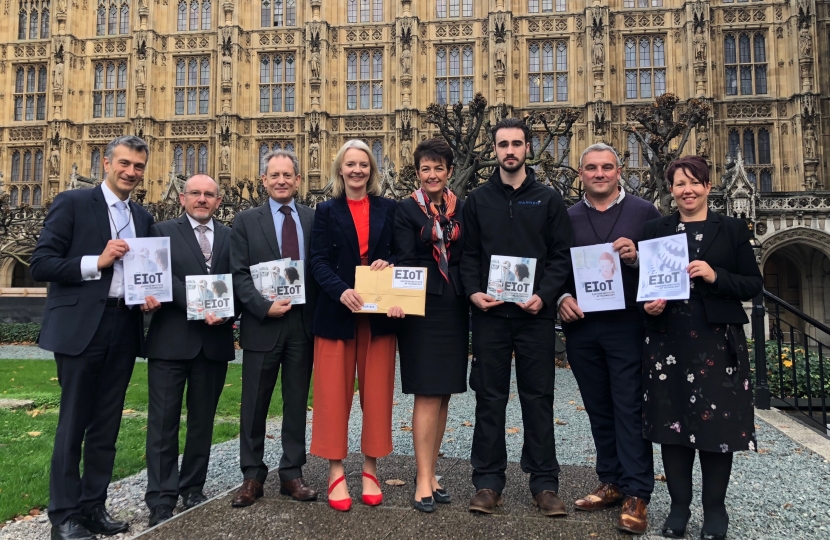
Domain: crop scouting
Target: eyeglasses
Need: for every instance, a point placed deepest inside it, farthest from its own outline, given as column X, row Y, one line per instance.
column 198, row 194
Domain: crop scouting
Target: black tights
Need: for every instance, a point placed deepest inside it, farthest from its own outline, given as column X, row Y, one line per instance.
column 716, row 468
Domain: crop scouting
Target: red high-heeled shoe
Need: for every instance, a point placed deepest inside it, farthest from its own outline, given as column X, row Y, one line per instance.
column 372, row 500
column 342, row 505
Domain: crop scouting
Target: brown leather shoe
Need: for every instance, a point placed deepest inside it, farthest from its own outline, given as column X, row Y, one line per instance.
column 298, row 490
column 250, row 491
column 604, row 496
column 634, row 516
column 550, row 504
column 485, row 501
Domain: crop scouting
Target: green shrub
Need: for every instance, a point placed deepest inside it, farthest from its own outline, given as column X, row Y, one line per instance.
column 19, row 332
column 794, row 360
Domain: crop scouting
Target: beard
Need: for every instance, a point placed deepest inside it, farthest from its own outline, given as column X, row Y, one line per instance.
column 512, row 168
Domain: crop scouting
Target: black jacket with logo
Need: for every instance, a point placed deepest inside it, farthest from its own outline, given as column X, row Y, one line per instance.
column 530, row 221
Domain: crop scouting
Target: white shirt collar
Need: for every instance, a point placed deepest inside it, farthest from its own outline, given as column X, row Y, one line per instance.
column 194, row 223
column 618, row 200
column 110, row 197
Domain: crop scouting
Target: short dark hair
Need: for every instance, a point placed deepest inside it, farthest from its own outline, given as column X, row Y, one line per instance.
column 694, row 166
column 508, row 123
column 521, row 271
column 434, row 150
column 130, row 141
column 292, row 274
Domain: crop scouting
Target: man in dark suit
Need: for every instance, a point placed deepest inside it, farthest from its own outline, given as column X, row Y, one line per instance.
column 274, row 334
column 94, row 335
column 182, row 351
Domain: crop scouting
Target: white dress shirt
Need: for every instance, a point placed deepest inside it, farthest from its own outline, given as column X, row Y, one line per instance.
column 89, row 263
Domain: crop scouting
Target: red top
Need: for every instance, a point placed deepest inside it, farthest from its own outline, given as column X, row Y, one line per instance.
column 360, row 216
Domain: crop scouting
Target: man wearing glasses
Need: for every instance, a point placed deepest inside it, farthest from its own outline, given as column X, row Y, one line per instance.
column 182, row 352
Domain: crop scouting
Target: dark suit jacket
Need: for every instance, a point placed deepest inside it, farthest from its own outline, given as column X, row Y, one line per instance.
column 171, row 335
column 335, row 253
column 77, row 225
column 727, row 250
column 413, row 245
column 254, row 240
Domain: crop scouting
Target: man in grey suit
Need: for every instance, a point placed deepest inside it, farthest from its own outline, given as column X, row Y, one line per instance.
column 274, row 334
column 192, row 352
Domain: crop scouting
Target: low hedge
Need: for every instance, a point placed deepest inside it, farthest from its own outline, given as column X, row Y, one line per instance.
column 19, row 332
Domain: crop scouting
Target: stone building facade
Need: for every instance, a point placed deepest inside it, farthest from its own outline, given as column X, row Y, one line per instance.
column 213, row 84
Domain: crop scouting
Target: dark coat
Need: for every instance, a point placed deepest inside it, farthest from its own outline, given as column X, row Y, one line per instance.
column 727, row 250
column 335, row 253
column 411, row 249
column 253, row 241
column 77, row 225
column 171, row 336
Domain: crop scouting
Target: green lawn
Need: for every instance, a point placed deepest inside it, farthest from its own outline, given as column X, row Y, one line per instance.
column 26, row 437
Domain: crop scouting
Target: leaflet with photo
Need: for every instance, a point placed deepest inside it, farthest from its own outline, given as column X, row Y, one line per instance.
column 279, row 280
column 511, row 278
column 209, row 294
column 147, row 270
column 598, row 279
column 663, row 263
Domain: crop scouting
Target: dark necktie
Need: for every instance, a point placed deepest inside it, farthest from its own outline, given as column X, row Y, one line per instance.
column 290, row 244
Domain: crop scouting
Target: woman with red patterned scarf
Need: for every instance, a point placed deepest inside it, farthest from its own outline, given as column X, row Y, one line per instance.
column 433, row 349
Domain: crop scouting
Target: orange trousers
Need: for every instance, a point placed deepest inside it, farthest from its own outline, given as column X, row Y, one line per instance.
column 335, row 361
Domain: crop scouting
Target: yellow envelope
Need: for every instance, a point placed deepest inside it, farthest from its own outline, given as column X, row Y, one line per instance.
column 405, row 287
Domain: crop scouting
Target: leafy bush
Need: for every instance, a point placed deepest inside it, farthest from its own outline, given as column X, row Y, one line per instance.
column 19, row 332
column 794, row 360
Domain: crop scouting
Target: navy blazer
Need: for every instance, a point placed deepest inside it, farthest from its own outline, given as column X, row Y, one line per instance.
column 335, row 253
column 171, row 336
column 77, row 225
column 727, row 250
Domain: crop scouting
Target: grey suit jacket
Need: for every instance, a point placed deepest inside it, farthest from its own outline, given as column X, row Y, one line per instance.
column 254, row 240
column 171, row 336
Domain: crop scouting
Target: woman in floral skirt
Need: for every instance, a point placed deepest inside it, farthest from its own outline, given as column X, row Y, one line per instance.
column 696, row 371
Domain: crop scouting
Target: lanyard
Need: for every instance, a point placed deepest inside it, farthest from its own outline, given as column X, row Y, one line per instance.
column 114, row 226
column 611, row 230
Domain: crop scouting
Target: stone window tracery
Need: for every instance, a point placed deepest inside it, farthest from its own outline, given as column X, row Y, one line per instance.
column 745, row 61
column 30, row 93
column 109, row 94
column 454, row 74
column 546, row 5
column 192, row 90
column 645, row 67
column 277, row 76
column 193, row 15
column 190, row 159
column 642, row 3
column 755, row 147
column 33, row 19
column 268, row 146
column 364, row 76
column 548, row 71
column 454, row 8
column 279, row 13
column 112, row 18
column 26, row 177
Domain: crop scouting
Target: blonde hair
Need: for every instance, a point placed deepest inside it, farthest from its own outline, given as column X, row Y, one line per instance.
column 338, row 186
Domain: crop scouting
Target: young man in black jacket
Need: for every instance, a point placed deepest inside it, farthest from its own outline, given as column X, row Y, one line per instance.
column 514, row 215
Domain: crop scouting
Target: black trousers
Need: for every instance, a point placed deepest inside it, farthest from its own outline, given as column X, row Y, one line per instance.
column 494, row 341
column 166, row 379
column 93, row 386
column 606, row 358
column 293, row 352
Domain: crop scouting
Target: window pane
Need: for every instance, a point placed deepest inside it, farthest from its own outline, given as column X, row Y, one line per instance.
column 454, row 8
column 548, row 88
column 191, row 101
column 109, row 104
column 192, row 72
column 24, row 199
column 33, row 24
column 377, row 68
column 203, row 159
column 264, row 98
column 265, row 14
column 125, row 20
column 44, row 24
column 122, row 75
column 534, row 88
column 97, row 105
column 766, row 181
column 561, row 57
column 734, row 142
column 468, row 61
column 278, row 20
column 351, row 96
column 534, row 57
column 743, row 42
column 289, row 98
column 760, row 79
column 749, row 147
column 441, row 8
column 468, row 91
column 729, row 50
column 204, row 100
column 18, row 109
column 206, row 15
column 351, row 11
column 645, row 84
column 21, row 25
column 30, row 79
column 377, row 14
column 37, row 196
column 760, row 48
column 454, row 62
column 180, row 73
column 562, row 87
column 455, row 91
column 41, row 80
column 38, row 166
column 278, row 68
column 659, row 55
column 121, row 104
column 561, row 5
column 630, row 54
column 289, row 69
column 27, row 167
column 276, row 101
column 746, row 80
column 190, row 164
column 659, row 82
column 645, row 53
column 364, row 95
column 631, row 85
column 95, row 164
column 763, row 146
column 533, row 6
column 205, row 72
column 441, row 62
column 112, row 22
column 441, row 92
column 194, row 15
column 110, row 76
column 547, row 57
column 351, row 67
column 364, row 10
column 291, row 13
column 30, row 107
column 377, row 96
column 634, row 151
column 468, row 8
column 178, row 160
column 731, row 81
column 18, row 81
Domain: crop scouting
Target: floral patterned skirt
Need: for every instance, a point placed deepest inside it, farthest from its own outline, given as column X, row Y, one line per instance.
column 697, row 384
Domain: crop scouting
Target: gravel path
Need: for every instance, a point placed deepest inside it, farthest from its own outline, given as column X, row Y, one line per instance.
column 32, row 352
column 782, row 492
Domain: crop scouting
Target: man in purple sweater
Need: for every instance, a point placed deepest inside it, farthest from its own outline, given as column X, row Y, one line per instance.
column 605, row 348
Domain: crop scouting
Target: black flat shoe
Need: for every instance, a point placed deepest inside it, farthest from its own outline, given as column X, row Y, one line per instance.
column 192, row 499
column 427, row 505
column 442, row 496
column 159, row 514
column 71, row 529
column 674, row 533
column 99, row 521
column 710, row 536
